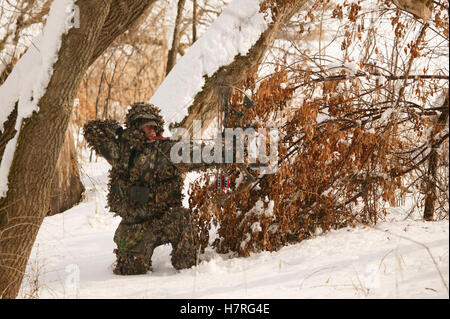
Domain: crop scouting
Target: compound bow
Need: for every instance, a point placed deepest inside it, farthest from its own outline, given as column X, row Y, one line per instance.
column 224, row 111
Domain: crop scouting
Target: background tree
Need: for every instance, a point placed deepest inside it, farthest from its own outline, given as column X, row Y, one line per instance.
column 173, row 52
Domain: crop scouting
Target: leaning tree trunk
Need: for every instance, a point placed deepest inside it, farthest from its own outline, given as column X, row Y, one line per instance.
column 42, row 135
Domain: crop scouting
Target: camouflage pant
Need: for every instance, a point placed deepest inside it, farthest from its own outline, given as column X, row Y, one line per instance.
column 136, row 242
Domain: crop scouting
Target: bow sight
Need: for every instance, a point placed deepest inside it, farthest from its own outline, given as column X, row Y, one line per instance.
column 224, row 111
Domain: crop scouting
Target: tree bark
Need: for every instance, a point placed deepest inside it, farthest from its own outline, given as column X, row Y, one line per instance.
column 433, row 162
column 42, row 135
column 67, row 189
column 66, row 169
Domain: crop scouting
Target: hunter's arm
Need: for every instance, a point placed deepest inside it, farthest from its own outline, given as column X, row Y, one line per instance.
column 103, row 137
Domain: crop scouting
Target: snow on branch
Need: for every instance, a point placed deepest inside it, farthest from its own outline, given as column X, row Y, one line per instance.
column 30, row 77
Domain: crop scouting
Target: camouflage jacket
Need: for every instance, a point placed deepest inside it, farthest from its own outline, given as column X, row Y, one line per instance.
column 136, row 162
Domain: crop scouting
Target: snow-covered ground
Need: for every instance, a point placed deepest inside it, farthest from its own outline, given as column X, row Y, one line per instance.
column 73, row 258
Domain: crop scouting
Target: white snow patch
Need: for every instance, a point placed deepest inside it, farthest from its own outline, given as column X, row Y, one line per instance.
column 386, row 114
column 256, row 227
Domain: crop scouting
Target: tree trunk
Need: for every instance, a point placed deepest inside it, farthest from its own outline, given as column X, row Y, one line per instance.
column 42, row 135
column 172, row 55
column 67, row 188
column 194, row 21
column 433, row 162
column 430, row 196
column 422, row 9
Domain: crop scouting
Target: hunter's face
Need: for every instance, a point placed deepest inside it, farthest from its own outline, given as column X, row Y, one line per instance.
column 149, row 131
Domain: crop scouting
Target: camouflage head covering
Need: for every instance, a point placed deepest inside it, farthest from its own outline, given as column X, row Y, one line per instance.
column 141, row 114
